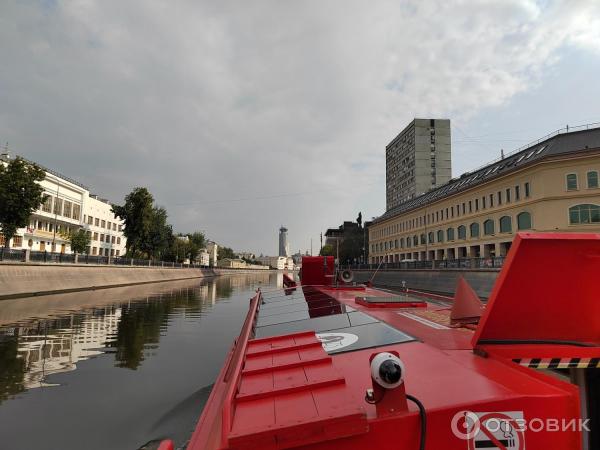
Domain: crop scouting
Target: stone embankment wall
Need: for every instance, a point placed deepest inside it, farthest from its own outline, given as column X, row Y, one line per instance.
column 437, row 281
column 26, row 280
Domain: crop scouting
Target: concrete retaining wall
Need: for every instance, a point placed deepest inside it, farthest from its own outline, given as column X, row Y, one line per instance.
column 24, row 280
column 437, row 281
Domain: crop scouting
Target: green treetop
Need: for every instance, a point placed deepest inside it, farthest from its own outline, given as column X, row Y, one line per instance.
column 20, row 195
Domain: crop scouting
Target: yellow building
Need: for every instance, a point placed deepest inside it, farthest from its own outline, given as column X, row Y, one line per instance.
column 551, row 185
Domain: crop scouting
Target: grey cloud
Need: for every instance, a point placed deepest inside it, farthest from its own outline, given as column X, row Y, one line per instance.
column 209, row 102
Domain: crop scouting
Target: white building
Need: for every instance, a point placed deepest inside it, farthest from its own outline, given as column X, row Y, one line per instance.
column 277, row 262
column 204, row 258
column 105, row 230
column 68, row 208
column 212, row 249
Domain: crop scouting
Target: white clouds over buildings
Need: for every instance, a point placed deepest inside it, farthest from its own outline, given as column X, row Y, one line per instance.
column 211, row 101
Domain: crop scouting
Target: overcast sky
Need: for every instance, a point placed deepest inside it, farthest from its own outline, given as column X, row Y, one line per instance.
column 242, row 116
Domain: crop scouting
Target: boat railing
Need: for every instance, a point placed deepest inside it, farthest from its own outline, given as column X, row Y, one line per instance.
column 236, row 363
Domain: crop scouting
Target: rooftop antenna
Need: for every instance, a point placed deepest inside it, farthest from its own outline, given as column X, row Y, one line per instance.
column 501, row 153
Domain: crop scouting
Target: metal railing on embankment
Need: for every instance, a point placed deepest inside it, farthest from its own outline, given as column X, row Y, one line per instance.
column 25, row 256
column 495, row 262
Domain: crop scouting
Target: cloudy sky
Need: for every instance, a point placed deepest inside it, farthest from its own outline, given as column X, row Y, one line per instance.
column 240, row 116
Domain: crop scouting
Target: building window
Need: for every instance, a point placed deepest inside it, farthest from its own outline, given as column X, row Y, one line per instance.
column 483, row 202
column 76, row 211
column 103, row 224
column 47, row 205
column 585, row 213
column 95, row 237
column 58, row 203
column 450, row 234
column 67, row 208
column 499, row 198
column 474, row 228
column 592, row 179
column 101, row 238
column 401, row 242
column 430, row 237
column 108, row 225
column 476, row 204
column 571, row 182
column 488, row 227
column 115, row 226
column 97, row 222
column 517, row 193
column 505, row 224
column 508, row 195
column 17, row 241
column 527, row 190
column 440, row 236
column 470, row 206
column 415, row 241
column 462, row 232
column 90, row 220
column 423, row 239
column 524, row 221
column 491, row 200
column 464, row 209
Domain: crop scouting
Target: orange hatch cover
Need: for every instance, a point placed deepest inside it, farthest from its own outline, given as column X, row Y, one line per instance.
column 290, row 394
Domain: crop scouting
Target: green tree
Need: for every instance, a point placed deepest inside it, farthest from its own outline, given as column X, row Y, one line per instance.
column 138, row 215
column 225, row 252
column 80, row 241
column 351, row 247
column 327, row 250
column 197, row 241
column 20, row 195
column 157, row 242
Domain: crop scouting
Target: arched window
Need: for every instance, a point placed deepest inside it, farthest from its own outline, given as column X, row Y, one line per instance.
column 474, row 229
column 524, row 221
column 592, row 179
column 462, row 232
column 415, row 241
column 401, row 242
column 450, row 234
column 505, row 224
column 430, row 237
column 585, row 213
column 572, row 182
column 408, row 242
column 488, row 227
column 440, row 236
column 423, row 239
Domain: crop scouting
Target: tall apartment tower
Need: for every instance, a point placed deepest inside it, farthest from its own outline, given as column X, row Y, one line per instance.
column 284, row 249
column 417, row 160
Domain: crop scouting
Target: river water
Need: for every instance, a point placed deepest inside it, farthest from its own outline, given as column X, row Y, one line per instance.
column 114, row 369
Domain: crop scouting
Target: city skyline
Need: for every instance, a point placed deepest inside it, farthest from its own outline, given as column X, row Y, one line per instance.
column 191, row 113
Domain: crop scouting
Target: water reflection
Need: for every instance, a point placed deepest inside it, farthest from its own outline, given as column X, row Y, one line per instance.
column 33, row 349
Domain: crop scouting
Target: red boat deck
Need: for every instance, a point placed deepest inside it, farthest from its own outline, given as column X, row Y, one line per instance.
column 302, row 383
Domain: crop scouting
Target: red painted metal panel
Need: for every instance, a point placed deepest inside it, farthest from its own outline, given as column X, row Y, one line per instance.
column 546, row 291
column 303, row 397
column 317, row 270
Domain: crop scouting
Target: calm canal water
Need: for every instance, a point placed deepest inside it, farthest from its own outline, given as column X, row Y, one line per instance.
column 114, row 369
